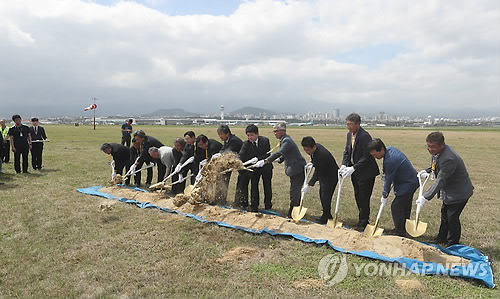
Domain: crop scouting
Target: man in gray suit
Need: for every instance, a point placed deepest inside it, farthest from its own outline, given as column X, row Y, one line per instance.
column 294, row 163
column 453, row 186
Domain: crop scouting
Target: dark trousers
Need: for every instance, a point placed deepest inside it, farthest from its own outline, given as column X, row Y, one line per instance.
column 450, row 229
column 179, row 187
column 401, row 210
column 241, row 195
column 36, row 155
column 266, row 173
column 119, row 169
column 126, row 140
column 296, row 183
column 6, row 152
column 362, row 193
column 221, row 187
column 149, row 177
column 17, row 159
column 326, row 189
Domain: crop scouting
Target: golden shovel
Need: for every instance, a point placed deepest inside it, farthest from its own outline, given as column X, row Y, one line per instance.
column 374, row 230
column 416, row 228
column 335, row 223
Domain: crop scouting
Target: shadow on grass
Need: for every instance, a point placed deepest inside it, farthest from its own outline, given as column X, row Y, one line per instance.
column 48, row 170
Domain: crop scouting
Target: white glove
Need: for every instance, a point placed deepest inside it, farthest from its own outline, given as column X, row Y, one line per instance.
column 421, row 201
column 309, row 165
column 423, row 174
column 178, row 168
column 132, row 168
column 203, row 163
column 342, row 168
column 251, row 161
column 151, row 164
column 181, row 178
column 305, row 189
column 383, row 200
column 113, row 175
column 260, row 163
column 279, row 160
column 217, row 155
column 112, row 163
column 347, row 172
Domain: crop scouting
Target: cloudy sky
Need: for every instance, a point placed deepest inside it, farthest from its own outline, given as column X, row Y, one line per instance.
column 430, row 57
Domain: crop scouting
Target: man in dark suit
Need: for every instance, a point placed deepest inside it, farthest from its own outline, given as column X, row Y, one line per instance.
column 232, row 143
column 20, row 143
column 37, row 137
column 147, row 142
column 453, row 186
column 121, row 156
column 325, row 171
column 360, row 166
column 256, row 146
column 135, row 153
column 294, row 163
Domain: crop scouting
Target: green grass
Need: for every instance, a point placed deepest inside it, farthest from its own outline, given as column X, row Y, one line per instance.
column 56, row 243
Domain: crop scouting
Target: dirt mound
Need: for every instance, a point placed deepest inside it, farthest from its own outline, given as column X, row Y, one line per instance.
column 389, row 246
column 206, row 189
column 409, row 284
column 308, row 284
column 238, row 254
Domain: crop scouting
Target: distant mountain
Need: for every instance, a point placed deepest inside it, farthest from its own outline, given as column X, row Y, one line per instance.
column 172, row 113
column 252, row 110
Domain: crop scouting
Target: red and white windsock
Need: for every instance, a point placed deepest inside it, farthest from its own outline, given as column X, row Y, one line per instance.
column 93, row 106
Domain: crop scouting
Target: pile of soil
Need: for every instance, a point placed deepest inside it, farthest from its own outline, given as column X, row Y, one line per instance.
column 389, row 246
column 206, row 189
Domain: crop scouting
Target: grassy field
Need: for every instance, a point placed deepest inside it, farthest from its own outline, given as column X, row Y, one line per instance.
column 56, row 243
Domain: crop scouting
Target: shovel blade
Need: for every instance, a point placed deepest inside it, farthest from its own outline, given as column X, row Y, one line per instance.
column 188, row 190
column 414, row 228
column 334, row 223
column 298, row 213
column 373, row 231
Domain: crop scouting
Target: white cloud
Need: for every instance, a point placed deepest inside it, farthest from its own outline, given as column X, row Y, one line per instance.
column 267, row 53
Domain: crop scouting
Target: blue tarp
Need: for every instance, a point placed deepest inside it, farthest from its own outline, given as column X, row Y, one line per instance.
column 479, row 267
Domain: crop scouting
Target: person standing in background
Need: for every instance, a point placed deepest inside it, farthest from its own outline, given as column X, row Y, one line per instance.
column 20, row 143
column 127, row 132
column 37, row 137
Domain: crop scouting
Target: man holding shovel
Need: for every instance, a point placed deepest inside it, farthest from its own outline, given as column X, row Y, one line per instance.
column 325, row 172
column 294, row 164
column 121, row 156
column 255, row 146
column 189, row 150
column 232, row 143
column 147, row 142
column 398, row 172
column 453, row 186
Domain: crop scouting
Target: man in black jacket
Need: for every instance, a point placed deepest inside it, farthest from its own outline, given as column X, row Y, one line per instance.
column 205, row 149
column 326, row 172
column 20, row 143
column 121, row 156
column 360, row 165
column 147, row 142
column 232, row 143
column 255, row 146
column 37, row 137
column 178, row 152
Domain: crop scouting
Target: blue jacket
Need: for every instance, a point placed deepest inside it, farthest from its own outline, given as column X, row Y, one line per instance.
column 398, row 171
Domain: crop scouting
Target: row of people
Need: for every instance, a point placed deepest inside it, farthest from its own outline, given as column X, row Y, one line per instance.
column 452, row 182
column 22, row 139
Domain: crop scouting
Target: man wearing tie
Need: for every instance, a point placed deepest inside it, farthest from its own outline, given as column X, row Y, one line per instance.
column 20, row 143
column 255, row 146
column 360, row 166
column 232, row 143
column 37, row 137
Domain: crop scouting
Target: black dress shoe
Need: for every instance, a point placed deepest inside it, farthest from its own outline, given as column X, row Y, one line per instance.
column 253, row 210
column 268, row 208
